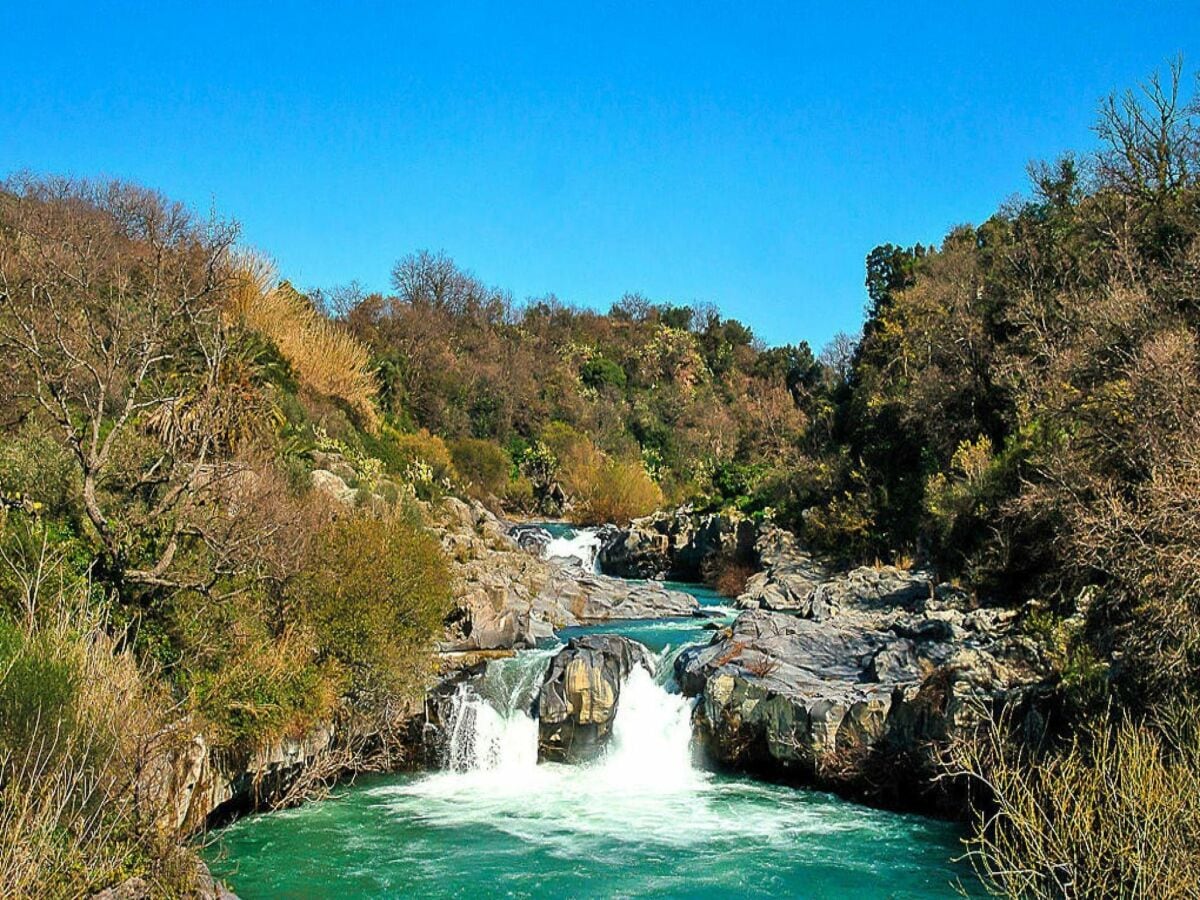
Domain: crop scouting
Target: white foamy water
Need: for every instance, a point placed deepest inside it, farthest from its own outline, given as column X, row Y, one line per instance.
column 583, row 546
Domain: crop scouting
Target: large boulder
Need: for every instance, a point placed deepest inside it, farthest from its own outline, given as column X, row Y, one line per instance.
column 578, row 700
column 678, row 544
column 585, row 598
column 854, row 698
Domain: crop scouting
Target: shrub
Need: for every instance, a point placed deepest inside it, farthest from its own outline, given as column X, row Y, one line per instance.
column 615, row 491
column 79, row 722
column 1114, row 814
column 421, row 449
column 376, row 592
column 324, row 357
column 599, row 372
column 482, row 464
column 35, row 466
column 732, row 577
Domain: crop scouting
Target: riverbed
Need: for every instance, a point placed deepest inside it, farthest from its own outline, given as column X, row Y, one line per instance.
column 643, row 820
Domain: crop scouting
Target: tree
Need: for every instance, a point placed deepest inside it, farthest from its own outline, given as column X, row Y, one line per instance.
column 110, row 304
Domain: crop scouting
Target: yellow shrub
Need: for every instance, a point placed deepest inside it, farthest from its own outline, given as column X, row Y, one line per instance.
column 614, row 491
column 325, row 358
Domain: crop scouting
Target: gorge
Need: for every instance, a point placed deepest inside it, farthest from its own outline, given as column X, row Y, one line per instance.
column 643, row 814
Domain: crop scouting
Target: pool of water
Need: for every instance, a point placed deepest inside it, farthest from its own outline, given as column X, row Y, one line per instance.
column 641, row 821
column 566, row 831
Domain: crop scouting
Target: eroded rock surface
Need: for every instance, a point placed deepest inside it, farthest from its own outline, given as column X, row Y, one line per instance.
column 854, row 688
column 676, row 544
column 578, row 700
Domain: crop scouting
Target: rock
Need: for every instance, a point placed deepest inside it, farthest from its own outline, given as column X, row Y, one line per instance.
column 531, row 538
column 883, row 588
column 580, row 693
column 196, row 784
column 822, row 700
column 676, row 544
column 136, row 888
column 788, row 578
column 588, row 598
column 334, row 487
column 507, row 597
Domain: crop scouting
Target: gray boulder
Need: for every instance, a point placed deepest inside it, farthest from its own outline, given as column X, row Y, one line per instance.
column 578, row 700
column 678, row 544
column 822, row 701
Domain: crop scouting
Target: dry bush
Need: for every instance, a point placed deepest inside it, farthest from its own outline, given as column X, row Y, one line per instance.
column 1115, row 814
column 79, row 720
column 615, row 491
column 732, row 578
column 326, row 358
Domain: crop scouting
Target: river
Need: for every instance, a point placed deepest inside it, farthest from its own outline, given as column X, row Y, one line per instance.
column 641, row 821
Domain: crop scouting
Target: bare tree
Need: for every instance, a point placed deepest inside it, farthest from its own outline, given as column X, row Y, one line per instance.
column 110, row 304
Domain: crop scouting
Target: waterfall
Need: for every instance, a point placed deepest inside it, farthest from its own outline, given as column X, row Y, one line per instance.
column 582, row 545
column 651, row 741
column 491, row 728
column 490, row 724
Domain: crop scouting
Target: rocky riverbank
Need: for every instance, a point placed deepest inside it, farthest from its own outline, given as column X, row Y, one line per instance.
column 858, row 684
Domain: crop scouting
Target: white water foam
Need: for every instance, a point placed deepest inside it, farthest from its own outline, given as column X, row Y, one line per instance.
column 644, row 789
column 582, row 546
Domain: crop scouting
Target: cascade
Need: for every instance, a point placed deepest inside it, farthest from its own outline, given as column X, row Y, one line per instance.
column 582, row 545
column 492, row 728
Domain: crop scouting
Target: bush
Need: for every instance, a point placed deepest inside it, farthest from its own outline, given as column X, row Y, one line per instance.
column 482, row 464
column 376, row 592
column 325, row 358
column 1115, row 814
column 420, row 452
column 36, row 467
column 600, row 372
column 79, row 723
column 614, row 491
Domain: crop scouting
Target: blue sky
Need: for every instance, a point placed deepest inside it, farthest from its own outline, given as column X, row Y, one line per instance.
column 744, row 154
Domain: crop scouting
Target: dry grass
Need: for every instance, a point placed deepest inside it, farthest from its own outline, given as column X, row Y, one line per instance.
column 326, row 358
column 1115, row 814
column 73, row 817
column 731, row 579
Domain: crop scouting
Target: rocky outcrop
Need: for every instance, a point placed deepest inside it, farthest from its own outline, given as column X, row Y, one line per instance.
column 578, row 700
column 509, row 597
column 788, row 574
column 854, row 693
column 583, row 598
column 677, row 544
column 195, row 783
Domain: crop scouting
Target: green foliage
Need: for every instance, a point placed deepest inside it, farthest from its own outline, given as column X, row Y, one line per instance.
column 376, row 592
column 483, row 465
column 599, row 373
column 34, row 466
column 37, row 692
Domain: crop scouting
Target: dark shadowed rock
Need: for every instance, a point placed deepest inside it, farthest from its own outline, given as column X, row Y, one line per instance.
column 676, row 544
column 578, row 700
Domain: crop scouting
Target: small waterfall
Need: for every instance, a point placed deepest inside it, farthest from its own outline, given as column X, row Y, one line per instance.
column 483, row 738
column 582, row 545
column 492, row 729
column 652, row 736
column 491, row 725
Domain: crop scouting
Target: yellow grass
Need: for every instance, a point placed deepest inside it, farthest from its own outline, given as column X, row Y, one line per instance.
column 325, row 358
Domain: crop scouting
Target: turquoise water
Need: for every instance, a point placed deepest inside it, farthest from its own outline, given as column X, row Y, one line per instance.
column 449, row 835
column 640, row 822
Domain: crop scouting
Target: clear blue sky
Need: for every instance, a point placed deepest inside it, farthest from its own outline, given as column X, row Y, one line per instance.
column 691, row 151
